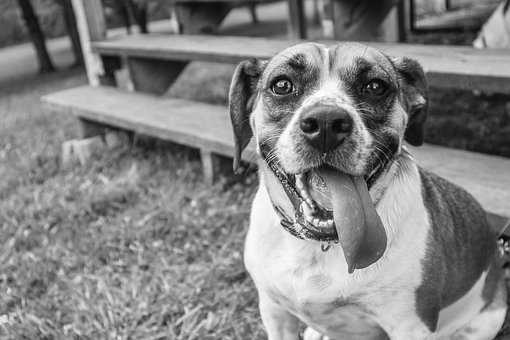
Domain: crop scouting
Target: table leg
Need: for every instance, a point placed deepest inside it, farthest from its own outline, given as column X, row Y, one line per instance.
column 297, row 19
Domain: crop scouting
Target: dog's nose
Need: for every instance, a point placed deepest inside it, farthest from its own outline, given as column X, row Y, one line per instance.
column 326, row 127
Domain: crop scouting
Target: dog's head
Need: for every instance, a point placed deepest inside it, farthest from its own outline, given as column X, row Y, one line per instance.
column 321, row 110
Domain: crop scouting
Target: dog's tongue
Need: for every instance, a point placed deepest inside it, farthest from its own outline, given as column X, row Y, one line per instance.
column 359, row 227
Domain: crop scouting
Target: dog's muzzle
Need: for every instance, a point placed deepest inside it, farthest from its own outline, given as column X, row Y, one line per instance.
column 350, row 219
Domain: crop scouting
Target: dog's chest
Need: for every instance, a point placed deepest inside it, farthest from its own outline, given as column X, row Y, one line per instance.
column 316, row 288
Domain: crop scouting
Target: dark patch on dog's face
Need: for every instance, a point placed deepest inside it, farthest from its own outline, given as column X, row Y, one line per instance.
column 376, row 112
column 302, row 71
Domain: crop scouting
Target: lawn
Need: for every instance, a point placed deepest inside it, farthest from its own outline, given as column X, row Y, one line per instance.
column 135, row 245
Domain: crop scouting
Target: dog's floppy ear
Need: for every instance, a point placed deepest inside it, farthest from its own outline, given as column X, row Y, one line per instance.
column 243, row 90
column 414, row 89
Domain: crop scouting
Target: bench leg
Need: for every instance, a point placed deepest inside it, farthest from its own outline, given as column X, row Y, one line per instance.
column 81, row 150
column 210, row 165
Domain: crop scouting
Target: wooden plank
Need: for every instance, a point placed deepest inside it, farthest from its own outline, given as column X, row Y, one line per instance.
column 446, row 66
column 178, row 120
column 464, row 18
column 182, row 121
column 486, row 177
column 91, row 25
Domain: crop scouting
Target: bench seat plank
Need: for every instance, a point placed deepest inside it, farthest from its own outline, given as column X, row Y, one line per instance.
column 446, row 66
column 207, row 127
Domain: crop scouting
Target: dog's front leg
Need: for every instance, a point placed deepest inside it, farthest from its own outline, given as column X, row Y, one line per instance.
column 411, row 329
column 279, row 323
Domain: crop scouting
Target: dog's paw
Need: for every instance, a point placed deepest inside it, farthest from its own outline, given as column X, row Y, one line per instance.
column 312, row 334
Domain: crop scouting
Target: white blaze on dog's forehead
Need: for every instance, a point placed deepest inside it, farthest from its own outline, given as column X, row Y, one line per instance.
column 331, row 89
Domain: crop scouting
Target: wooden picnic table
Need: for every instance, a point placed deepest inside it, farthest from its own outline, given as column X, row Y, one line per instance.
column 364, row 20
column 204, row 16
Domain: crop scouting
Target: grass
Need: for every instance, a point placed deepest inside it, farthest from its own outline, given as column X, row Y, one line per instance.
column 132, row 246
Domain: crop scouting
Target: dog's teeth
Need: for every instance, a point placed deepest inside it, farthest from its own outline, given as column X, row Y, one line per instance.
column 299, row 181
column 329, row 223
column 299, row 184
column 309, row 218
column 306, row 209
column 323, row 224
column 310, row 203
column 316, row 222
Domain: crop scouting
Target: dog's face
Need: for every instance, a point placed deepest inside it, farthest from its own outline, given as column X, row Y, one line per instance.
column 313, row 108
column 348, row 106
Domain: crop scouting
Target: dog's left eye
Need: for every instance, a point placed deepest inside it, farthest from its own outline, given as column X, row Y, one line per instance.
column 282, row 87
column 375, row 87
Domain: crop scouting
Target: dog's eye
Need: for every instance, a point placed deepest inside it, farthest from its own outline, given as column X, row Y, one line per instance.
column 375, row 87
column 282, row 87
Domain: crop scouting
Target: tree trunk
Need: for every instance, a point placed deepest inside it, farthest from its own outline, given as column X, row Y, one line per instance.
column 72, row 30
column 36, row 35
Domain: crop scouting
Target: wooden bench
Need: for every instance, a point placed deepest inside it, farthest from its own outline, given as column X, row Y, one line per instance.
column 446, row 66
column 182, row 121
column 150, row 64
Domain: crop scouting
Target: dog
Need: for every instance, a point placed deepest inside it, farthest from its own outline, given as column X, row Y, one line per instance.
column 348, row 235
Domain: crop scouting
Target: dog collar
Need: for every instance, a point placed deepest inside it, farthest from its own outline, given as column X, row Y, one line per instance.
column 297, row 225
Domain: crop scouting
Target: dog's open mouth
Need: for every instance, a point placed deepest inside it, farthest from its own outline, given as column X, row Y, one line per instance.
column 316, row 205
column 335, row 202
column 335, row 206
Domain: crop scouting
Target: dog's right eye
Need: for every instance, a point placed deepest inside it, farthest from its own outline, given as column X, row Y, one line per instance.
column 282, row 87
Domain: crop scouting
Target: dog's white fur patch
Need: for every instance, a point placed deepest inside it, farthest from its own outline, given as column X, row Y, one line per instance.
column 385, row 288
